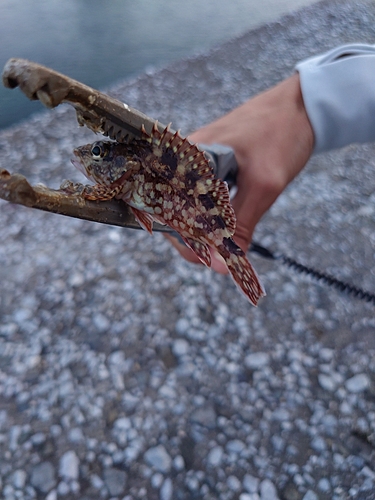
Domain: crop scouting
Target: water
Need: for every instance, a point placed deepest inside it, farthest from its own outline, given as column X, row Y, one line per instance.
column 100, row 42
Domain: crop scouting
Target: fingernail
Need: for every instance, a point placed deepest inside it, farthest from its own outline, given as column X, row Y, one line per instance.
column 218, row 263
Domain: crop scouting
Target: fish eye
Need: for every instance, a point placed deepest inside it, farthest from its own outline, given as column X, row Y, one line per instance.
column 96, row 152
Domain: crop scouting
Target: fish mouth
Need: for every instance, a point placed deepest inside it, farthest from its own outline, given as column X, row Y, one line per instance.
column 78, row 164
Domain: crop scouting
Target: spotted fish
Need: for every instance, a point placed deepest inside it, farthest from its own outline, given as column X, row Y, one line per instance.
column 165, row 178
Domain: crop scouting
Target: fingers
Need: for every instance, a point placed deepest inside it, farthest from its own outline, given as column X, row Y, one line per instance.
column 186, row 253
column 217, row 262
column 253, row 198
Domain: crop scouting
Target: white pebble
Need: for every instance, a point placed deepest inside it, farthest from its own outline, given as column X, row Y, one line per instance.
column 233, row 483
column 96, row 481
column 358, row 383
column 215, row 456
column 366, row 471
column 178, row 463
column 180, row 347
column 158, row 458
column 268, row 490
column 250, row 483
column 122, row 424
column 166, row 490
column 69, row 465
column 310, row 495
column 19, row 479
column 324, row 484
column 157, row 480
column 63, row 488
column 256, row 360
column 101, row 322
column 326, row 382
column 182, row 326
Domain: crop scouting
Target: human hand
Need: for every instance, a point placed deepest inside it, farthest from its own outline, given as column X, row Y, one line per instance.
column 272, row 140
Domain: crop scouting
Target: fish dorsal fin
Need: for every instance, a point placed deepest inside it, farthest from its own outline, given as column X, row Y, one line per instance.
column 186, row 167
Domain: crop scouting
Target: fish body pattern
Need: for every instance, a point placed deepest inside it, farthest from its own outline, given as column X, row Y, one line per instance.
column 165, row 178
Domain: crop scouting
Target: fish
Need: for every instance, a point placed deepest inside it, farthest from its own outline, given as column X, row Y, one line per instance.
column 164, row 177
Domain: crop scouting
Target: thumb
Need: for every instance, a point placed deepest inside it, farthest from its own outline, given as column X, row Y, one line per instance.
column 257, row 189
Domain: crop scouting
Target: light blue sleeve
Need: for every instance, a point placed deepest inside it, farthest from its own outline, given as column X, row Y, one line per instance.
column 338, row 90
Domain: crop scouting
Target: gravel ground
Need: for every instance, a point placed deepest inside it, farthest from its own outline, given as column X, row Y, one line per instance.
column 127, row 373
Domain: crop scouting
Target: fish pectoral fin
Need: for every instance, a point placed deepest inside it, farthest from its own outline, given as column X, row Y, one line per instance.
column 98, row 192
column 200, row 249
column 144, row 219
column 159, row 220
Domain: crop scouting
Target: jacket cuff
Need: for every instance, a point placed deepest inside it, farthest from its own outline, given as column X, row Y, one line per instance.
column 338, row 90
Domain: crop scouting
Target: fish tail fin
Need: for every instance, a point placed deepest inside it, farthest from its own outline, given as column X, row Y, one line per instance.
column 241, row 270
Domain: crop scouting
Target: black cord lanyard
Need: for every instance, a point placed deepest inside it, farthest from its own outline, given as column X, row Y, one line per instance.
column 324, row 277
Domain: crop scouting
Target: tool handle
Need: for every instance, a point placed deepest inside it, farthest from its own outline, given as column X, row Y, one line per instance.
column 223, row 162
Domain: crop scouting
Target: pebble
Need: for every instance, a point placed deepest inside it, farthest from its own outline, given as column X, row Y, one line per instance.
column 157, row 480
column 115, row 481
column 345, row 408
column 69, row 465
column 366, row 471
column 215, row 456
column 43, row 477
column 8, row 491
column 358, row 383
column 324, row 485
column 166, row 491
column 250, row 483
column 192, row 483
column 368, row 485
column 205, row 416
column 182, row 326
column 131, row 453
column 101, row 322
column 96, row 481
column 310, row 495
column 178, row 463
column 122, row 424
column 318, row 444
column 326, row 382
column 180, row 347
column 278, row 443
column 19, row 479
column 257, row 360
column 326, row 354
column 158, row 458
column 267, row 490
column 249, row 496
column 63, row 488
column 38, row 439
column 52, row 495
column 234, row 484
column 76, row 435
column 235, row 446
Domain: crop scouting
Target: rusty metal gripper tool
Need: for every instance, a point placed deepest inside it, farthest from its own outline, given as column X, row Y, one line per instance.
column 100, row 113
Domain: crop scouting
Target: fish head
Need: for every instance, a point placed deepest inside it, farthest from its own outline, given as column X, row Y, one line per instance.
column 104, row 162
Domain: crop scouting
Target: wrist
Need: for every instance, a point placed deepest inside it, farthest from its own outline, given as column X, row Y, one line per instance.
column 296, row 136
